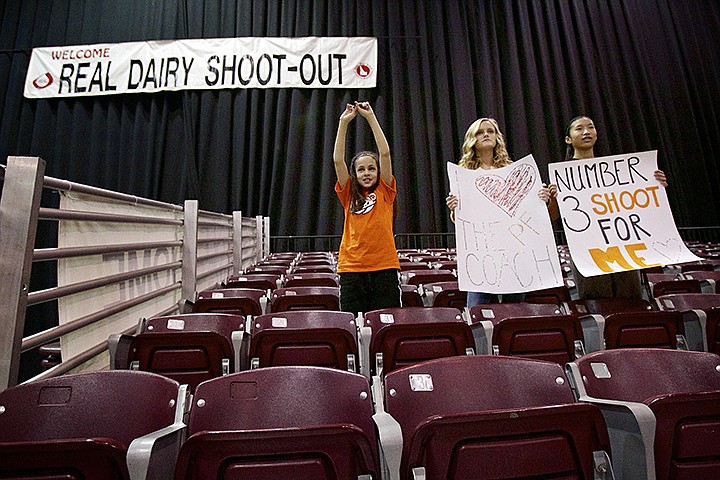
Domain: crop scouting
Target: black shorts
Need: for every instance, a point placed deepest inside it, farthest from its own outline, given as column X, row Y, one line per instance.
column 365, row 291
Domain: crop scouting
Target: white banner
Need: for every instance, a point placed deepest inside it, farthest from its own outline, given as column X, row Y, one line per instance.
column 615, row 214
column 505, row 241
column 79, row 269
column 201, row 64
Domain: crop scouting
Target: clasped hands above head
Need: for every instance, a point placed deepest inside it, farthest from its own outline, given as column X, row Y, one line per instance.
column 352, row 109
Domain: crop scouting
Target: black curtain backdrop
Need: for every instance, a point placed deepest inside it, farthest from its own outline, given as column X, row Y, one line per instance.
column 648, row 72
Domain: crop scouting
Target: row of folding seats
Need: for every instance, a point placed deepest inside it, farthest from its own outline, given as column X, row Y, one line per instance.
column 564, row 332
column 191, row 348
column 640, row 413
column 256, row 301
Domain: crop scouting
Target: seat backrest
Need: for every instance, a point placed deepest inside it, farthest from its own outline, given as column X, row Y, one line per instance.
column 406, row 265
column 81, row 425
column 462, row 416
column 494, row 312
column 709, row 303
column 238, row 301
column 446, row 294
column 696, row 267
column 643, row 329
column 657, row 277
column 709, row 274
column 322, row 338
column 305, row 298
column 189, row 348
column 554, row 338
column 608, row 306
column 641, row 374
column 676, row 286
column 422, row 276
column 554, row 295
column 410, row 296
column 263, row 281
column 310, row 279
column 414, row 334
column 682, row 388
column 280, row 269
column 324, row 268
column 294, row 422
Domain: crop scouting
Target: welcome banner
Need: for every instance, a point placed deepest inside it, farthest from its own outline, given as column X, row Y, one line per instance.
column 251, row 62
column 616, row 216
column 504, row 238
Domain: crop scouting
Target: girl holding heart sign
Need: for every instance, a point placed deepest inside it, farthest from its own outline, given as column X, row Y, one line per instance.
column 484, row 148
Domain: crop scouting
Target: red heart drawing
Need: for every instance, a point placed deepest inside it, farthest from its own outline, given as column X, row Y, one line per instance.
column 507, row 193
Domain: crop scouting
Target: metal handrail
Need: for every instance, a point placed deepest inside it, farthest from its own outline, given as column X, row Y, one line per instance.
column 56, row 332
column 54, row 293
column 42, row 254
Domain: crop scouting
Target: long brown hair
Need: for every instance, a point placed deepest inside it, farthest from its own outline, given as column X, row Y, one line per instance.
column 357, row 199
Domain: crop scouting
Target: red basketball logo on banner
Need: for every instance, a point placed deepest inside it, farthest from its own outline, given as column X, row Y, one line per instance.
column 363, row 70
column 43, row 81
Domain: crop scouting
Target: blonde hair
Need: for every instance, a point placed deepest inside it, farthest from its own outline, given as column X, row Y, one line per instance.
column 500, row 154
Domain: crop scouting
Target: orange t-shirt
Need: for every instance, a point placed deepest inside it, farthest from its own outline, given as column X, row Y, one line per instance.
column 368, row 243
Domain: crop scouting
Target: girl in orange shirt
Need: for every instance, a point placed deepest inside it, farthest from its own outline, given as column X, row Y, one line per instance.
column 367, row 261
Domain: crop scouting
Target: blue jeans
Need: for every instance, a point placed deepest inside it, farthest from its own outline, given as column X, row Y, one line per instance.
column 480, row 298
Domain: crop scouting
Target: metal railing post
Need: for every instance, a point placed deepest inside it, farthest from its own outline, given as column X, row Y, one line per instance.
column 190, row 250
column 266, row 236
column 237, row 243
column 259, row 238
column 19, row 209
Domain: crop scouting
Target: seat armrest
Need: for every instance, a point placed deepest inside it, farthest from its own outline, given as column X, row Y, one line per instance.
column 154, row 456
column 119, row 349
column 240, row 343
column 631, row 430
column 482, row 333
column 390, row 438
column 364, row 337
column 694, row 323
column 593, row 327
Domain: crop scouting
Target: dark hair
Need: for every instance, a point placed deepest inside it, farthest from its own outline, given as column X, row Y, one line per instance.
column 570, row 150
column 357, row 199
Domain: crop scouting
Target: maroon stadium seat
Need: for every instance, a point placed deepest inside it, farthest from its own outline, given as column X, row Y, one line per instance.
column 189, row 348
column 94, row 425
column 305, row 298
column 445, row 294
column 554, row 338
column 323, row 338
column 281, row 422
column 650, row 329
column 264, row 281
column 663, row 407
column 701, row 312
column 676, row 286
column 310, row 279
column 483, row 319
column 554, row 295
column 402, row 336
column 411, row 296
column 487, row 417
column 238, row 301
column 422, row 276
column 709, row 280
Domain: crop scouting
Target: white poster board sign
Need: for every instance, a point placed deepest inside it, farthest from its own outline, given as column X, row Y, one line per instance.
column 616, row 216
column 505, row 241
